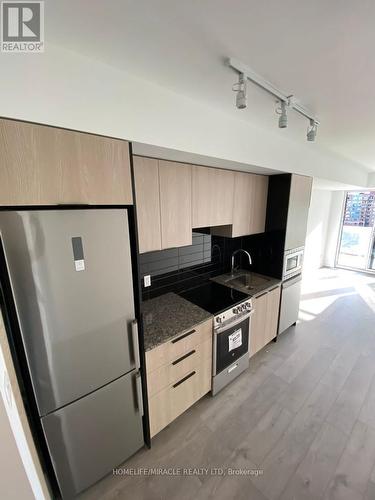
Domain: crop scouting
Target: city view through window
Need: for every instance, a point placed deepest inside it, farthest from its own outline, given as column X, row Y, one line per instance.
column 357, row 237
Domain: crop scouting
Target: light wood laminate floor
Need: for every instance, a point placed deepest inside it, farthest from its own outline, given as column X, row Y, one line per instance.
column 303, row 415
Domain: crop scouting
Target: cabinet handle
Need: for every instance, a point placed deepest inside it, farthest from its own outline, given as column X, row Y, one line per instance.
column 138, row 381
column 261, row 295
column 183, row 357
column 183, row 379
column 183, row 336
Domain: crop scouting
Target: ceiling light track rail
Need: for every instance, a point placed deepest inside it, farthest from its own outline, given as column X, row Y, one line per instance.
column 289, row 101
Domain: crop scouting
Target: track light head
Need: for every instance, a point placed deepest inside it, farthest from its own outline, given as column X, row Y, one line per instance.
column 312, row 130
column 283, row 119
column 241, row 96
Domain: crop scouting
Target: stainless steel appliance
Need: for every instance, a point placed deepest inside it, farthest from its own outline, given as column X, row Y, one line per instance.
column 289, row 306
column 231, row 344
column 232, row 310
column 293, row 261
column 71, row 279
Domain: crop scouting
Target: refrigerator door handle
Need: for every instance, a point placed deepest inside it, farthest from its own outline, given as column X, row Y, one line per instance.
column 138, row 381
column 137, row 358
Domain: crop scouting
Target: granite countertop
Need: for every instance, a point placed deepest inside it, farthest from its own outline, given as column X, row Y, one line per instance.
column 167, row 316
column 255, row 283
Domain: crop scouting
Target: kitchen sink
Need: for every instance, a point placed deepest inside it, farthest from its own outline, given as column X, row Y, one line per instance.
column 248, row 281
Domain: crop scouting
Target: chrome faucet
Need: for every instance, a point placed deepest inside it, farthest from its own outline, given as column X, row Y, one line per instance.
column 235, row 253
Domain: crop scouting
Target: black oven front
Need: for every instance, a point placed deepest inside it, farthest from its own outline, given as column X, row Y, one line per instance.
column 231, row 341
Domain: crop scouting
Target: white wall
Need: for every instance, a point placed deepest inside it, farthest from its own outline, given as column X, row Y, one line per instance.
column 317, row 227
column 14, row 484
column 21, row 475
column 65, row 89
column 334, row 226
column 323, row 229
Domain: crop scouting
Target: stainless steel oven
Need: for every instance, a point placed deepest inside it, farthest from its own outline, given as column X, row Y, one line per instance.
column 293, row 261
column 231, row 344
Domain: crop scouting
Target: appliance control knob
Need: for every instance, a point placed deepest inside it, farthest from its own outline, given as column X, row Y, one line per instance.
column 218, row 319
column 235, row 310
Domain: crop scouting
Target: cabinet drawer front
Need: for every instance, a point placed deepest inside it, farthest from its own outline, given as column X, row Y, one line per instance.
column 178, row 368
column 169, row 403
column 178, row 346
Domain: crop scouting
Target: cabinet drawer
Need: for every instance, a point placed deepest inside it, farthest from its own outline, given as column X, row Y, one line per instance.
column 178, row 346
column 169, row 403
column 175, row 370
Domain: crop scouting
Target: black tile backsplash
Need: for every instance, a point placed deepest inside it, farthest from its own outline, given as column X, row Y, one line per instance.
column 178, row 269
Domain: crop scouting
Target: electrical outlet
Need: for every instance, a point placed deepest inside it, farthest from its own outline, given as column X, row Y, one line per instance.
column 147, row 280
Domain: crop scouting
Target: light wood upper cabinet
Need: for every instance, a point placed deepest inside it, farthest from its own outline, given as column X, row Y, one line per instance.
column 175, row 204
column 212, row 194
column 163, row 197
column 243, row 203
column 249, row 206
column 265, row 319
column 298, row 211
column 259, row 208
column 146, row 177
column 42, row 165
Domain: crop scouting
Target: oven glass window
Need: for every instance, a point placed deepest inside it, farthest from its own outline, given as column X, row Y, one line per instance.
column 291, row 263
column 231, row 344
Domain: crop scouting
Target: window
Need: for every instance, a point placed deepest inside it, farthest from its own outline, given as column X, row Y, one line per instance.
column 356, row 248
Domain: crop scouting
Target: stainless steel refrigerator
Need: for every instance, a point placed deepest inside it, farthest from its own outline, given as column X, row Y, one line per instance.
column 71, row 279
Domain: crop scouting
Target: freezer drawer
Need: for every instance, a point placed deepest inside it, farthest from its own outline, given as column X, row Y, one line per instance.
column 88, row 438
column 289, row 307
column 71, row 279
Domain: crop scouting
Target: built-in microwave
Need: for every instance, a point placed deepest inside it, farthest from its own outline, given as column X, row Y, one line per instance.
column 293, row 260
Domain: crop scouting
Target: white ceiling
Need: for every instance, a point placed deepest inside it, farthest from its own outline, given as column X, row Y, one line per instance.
column 321, row 51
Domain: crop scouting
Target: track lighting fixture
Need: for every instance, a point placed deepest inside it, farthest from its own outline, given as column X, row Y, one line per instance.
column 283, row 119
column 240, row 88
column 312, row 130
column 246, row 74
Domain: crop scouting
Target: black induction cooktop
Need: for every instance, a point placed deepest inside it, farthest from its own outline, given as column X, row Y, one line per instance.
column 214, row 297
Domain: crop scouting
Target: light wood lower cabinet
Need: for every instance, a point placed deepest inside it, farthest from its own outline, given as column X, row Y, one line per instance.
column 171, row 402
column 42, row 165
column 264, row 320
column 172, row 372
column 178, row 374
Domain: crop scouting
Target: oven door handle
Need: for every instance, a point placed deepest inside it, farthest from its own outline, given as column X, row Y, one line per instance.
column 222, row 329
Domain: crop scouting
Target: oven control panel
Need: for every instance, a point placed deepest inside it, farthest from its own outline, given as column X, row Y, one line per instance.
column 233, row 313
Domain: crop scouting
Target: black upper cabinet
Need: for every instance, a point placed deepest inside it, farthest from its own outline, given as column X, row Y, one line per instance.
column 278, row 202
column 288, row 207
